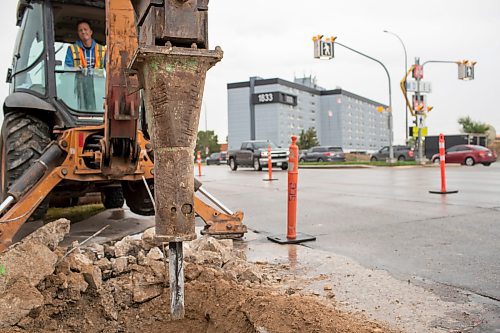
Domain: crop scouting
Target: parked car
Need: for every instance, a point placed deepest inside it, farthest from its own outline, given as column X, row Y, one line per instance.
column 401, row 153
column 323, row 154
column 468, row 155
column 216, row 158
column 253, row 153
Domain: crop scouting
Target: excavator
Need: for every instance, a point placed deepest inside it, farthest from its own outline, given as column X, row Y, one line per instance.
column 127, row 130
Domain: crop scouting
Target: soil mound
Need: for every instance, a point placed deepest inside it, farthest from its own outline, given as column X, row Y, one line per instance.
column 123, row 287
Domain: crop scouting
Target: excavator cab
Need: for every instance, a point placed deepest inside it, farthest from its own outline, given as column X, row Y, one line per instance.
column 47, row 96
column 47, row 29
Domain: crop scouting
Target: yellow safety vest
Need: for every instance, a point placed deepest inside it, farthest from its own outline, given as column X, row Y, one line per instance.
column 79, row 58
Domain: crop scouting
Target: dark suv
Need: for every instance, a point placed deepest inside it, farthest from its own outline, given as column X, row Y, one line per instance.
column 401, row 153
column 323, row 154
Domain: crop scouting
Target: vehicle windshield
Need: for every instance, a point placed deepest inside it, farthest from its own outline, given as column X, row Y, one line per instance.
column 264, row 144
column 80, row 89
column 335, row 149
column 480, row 148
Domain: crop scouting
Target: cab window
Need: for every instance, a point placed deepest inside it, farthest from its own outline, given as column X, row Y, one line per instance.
column 29, row 64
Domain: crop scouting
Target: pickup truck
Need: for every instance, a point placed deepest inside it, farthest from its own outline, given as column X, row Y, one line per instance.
column 254, row 154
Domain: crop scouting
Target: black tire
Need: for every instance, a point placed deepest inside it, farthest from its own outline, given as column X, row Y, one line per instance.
column 401, row 158
column 320, row 160
column 487, row 163
column 137, row 197
column 24, row 137
column 437, row 160
column 112, row 197
column 469, row 161
column 302, row 160
column 284, row 166
column 373, row 159
column 256, row 165
column 232, row 164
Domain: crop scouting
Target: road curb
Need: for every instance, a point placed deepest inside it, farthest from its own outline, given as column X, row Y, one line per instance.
column 361, row 166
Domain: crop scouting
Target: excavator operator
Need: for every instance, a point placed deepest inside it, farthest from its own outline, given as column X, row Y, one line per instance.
column 90, row 57
column 86, row 52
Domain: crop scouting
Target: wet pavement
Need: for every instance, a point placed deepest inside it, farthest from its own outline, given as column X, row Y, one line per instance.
column 385, row 219
column 387, row 247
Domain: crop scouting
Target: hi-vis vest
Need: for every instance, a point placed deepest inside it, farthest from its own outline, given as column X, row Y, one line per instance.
column 80, row 60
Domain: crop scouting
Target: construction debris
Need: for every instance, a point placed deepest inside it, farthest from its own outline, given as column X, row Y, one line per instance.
column 123, row 287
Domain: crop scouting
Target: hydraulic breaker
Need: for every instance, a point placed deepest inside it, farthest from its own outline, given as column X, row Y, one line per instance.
column 171, row 62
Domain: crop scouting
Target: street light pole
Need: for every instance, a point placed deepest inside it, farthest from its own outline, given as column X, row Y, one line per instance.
column 391, row 150
column 406, row 69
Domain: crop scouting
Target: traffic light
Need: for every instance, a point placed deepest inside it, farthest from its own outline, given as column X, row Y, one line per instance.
column 326, row 50
column 323, row 49
column 466, row 70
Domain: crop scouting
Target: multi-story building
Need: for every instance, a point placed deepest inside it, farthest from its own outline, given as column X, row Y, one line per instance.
column 276, row 109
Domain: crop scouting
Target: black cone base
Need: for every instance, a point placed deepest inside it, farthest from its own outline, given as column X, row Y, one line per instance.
column 445, row 192
column 299, row 239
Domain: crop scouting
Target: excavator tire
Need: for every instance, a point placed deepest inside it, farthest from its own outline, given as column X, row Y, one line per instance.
column 24, row 137
column 112, row 197
column 137, row 197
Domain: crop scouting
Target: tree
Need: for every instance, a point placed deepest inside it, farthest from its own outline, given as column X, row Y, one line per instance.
column 308, row 139
column 471, row 126
column 207, row 139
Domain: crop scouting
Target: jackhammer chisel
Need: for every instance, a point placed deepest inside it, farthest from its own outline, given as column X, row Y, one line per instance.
column 172, row 61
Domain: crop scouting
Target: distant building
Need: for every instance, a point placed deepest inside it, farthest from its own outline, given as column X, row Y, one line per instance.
column 276, row 109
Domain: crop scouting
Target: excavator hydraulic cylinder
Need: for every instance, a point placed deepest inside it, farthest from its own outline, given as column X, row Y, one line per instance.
column 51, row 157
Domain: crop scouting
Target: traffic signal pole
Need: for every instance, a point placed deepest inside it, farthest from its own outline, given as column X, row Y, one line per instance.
column 465, row 72
column 418, row 97
column 390, row 125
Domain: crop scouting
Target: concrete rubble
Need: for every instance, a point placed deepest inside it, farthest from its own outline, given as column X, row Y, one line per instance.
column 26, row 265
column 117, row 276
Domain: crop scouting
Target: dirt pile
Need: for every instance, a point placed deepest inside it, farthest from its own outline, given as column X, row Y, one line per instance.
column 123, row 287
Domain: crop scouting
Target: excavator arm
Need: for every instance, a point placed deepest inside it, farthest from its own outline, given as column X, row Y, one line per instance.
column 161, row 47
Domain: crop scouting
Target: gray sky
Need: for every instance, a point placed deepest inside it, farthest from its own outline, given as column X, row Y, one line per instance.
column 273, row 38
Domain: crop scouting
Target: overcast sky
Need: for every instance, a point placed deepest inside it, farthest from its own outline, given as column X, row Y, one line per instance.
column 273, row 38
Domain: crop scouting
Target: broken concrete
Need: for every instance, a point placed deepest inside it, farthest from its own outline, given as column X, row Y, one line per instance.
column 18, row 302
column 27, row 264
column 118, row 286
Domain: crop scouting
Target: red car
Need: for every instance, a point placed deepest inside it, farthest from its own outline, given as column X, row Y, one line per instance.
column 468, row 155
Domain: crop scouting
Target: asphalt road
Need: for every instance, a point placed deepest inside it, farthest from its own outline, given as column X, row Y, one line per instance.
column 385, row 218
